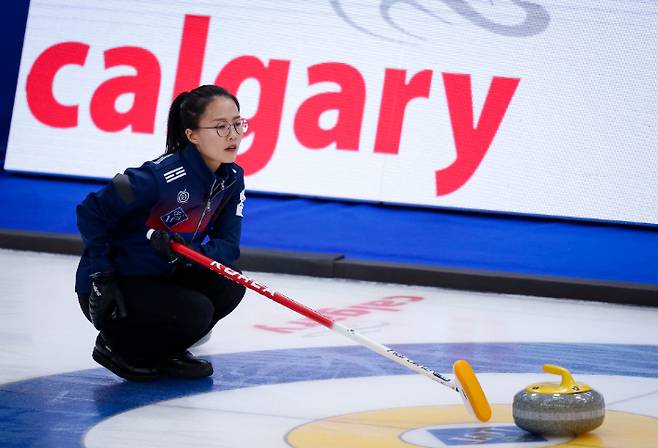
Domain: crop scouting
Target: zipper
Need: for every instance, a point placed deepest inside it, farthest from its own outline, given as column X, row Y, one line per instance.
column 205, row 210
column 211, row 196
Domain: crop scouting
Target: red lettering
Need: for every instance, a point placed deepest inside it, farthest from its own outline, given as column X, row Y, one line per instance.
column 471, row 143
column 191, row 52
column 471, row 139
column 283, row 330
column 412, row 298
column 349, row 102
column 404, row 301
column 395, row 97
column 266, row 121
column 346, row 312
column 327, row 312
column 144, row 86
column 338, row 314
column 376, row 305
column 304, row 323
column 39, row 86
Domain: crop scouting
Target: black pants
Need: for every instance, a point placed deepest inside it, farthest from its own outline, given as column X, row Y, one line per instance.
column 165, row 315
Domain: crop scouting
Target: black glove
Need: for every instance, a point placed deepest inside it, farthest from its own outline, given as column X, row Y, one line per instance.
column 106, row 299
column 161, row 242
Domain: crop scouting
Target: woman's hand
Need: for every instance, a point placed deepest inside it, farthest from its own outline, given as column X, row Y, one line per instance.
column 106, row 300
column 161, row 242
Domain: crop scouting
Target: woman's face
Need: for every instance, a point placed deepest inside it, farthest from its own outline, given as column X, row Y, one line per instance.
column 223, row 113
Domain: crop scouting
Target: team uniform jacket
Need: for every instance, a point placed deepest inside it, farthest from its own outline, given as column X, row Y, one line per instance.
column 177, row 193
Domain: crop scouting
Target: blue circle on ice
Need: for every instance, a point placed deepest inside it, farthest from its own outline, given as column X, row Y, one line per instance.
column 57, row 410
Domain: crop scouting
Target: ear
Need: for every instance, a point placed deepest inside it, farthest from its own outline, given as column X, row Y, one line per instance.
column 192, row 136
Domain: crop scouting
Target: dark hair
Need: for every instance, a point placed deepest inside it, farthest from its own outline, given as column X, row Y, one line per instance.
column 186, row 110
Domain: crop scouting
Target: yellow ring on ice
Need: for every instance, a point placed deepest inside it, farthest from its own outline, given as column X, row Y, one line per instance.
column 383, row 428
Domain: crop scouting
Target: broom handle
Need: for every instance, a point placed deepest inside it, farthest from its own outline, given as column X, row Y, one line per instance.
column 309, row 313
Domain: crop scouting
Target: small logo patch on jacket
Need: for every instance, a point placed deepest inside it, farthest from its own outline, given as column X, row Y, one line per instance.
column 174, row 217
column 183, row 196
column 172, row 175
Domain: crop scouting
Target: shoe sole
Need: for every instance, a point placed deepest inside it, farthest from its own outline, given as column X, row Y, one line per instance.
column 176, row 374
column 109, row 365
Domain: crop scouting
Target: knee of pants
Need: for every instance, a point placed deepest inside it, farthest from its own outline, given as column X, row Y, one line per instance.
column 237, row 294
column 240, row 291
column 197, row 313
column 229, row 301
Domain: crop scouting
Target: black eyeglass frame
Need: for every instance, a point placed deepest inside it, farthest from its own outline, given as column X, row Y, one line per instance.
column 240, row 127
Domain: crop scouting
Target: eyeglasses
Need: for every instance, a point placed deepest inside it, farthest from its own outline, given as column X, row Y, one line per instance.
column 224, row 129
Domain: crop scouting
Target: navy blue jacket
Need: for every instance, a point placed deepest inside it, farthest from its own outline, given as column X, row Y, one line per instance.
column 177, row 193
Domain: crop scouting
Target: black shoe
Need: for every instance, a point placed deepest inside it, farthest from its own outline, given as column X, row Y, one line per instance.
column 186, row 365
column 104, row 356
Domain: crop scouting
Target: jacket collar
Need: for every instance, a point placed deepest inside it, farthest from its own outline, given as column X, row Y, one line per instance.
column 191, row 157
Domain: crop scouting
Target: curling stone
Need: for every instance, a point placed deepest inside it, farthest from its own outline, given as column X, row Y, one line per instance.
column 555, row 409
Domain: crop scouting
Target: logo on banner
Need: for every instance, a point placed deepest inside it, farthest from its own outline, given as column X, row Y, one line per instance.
column 471, row 139
column 536, row 18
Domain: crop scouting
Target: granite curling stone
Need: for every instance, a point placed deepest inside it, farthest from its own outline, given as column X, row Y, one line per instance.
column 562, row 409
